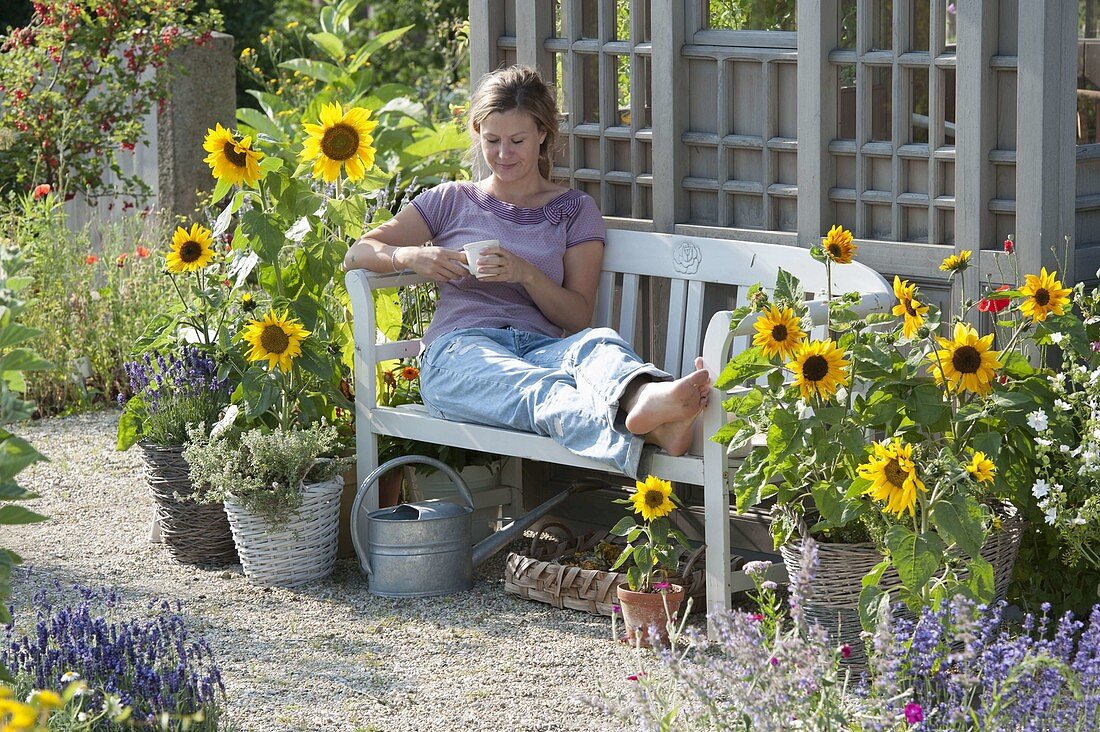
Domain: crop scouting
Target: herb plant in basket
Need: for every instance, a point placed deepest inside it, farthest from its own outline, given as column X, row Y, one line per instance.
column 649, row 601
column 170, row 393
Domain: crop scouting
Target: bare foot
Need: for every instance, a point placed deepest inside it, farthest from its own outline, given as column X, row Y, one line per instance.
column 657, row 403
column 674, row 437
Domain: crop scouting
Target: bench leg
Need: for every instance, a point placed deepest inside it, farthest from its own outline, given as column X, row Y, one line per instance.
column 511, row 477
column 716, row 505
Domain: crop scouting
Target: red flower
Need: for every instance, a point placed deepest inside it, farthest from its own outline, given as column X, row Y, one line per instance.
column 913, row 713
column 756, row 617
column 845, row 651
column 993, row 304
column 121, row 260
column 1010, row 246
column 91, row 259
column 41, row 190
column 142, row 252
column 635, row 677
column 410, row 373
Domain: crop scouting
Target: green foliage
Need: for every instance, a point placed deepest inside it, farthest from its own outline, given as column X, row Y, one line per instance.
column 753, row 14
column 15, row 452
column 94, row 292
column 78, row 81
column 263, row 470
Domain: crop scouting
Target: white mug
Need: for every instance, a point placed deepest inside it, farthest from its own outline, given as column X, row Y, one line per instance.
column 473, row 251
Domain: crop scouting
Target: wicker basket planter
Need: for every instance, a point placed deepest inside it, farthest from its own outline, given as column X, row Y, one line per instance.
column 539, row 576
column 303, row 551
column 833, row 595
column 195, row 533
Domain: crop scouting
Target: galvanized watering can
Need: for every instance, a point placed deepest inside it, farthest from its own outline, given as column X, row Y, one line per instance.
column 423, row 549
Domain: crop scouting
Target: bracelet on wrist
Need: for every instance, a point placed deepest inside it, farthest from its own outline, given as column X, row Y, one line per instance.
column 393, row 259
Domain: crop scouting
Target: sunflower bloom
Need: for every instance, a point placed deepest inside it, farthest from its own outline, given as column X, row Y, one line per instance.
column 956, row 262
column 191, row 250
column 981, row 467
column 819, row 367
column 231, row 159
column 342, row 138
column 1043, row 295
column 410, row 373
column 778, row 333
column 653, row 498
column 893, row 476
column 965, row 360
column 838, row 245
column 276, row 338
column 908, row 307
column 16, row 715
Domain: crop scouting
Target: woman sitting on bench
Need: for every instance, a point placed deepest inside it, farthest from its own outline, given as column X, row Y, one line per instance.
column 494, row 352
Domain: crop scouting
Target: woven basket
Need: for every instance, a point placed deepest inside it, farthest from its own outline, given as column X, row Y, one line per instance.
column 303, row 551
column 538, row 576
column 833, row 595
column 195, row 533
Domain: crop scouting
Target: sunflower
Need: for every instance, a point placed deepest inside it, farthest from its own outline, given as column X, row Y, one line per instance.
column 276, row 338
column 410, row 373
column 231, row 159
column 908, row 307
column 1043, row 295
column 248, row 303
column 838, row 245
column 965, row 360
column 653, row 498
column 819, row 367
column 956, row 262
column 778, row 332
column 342, row 138
column 893, row 477
column 981, row 467
column 192, row 250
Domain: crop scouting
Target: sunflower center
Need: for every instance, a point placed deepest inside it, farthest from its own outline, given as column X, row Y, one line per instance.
column 340, row 142
column 779, row 332
column 909, row 308
column 835, row 250
column 1042, row 296
column 895, row 474
column 654, row 499
column 815, row 368
column 233, row 155
column 966, row 360
column 274, row 339
column 190, row 251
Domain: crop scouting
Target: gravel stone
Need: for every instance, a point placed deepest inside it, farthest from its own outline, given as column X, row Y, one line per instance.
column 326, row 656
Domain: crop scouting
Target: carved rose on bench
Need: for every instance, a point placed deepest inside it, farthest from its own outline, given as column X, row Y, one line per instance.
column 686, row 258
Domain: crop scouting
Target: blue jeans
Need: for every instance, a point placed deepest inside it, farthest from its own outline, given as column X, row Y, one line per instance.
column 565, row 388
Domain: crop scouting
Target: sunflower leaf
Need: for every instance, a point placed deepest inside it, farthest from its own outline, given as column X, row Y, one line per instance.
column 331, row 44
column 959, row 519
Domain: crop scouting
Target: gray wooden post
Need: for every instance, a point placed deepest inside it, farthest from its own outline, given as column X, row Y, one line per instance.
column 975, row 132
column 669, row 115
column 486, row 28
column 1046, row 137
column 534, row 24
column 818, row 91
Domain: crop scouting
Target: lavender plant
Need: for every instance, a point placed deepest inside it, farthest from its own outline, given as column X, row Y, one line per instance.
column 169, row 394
column 153, row 666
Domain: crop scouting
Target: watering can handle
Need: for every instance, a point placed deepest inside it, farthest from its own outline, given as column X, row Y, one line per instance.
column 369, row 486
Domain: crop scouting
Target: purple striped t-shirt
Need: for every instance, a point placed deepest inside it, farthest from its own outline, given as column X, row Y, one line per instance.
column 458, row 213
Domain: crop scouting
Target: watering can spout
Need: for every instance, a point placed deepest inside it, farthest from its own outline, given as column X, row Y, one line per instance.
column 492, row 544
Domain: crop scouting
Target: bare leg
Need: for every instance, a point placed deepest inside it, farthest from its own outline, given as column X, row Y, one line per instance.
column 664, row 411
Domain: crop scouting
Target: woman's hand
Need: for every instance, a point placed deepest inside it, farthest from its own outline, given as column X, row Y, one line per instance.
column 435, row 263
column 500, row 265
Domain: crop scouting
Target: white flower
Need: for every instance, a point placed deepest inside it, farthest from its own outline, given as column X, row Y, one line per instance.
column 1051, row 515
column 1058, row 381
column 69, row 676
column 1064, row 448
column 82, row 716
column 1057, row 338
column 1063, row 405
column 1078, row 521
column 1040, row 489
column 1037, row 420
column 1043, row 442
column 226, row 421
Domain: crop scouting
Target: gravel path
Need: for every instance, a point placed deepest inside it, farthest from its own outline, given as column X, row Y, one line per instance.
column 328, row 656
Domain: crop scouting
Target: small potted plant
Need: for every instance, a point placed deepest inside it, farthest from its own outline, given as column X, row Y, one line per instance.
column 649, row 601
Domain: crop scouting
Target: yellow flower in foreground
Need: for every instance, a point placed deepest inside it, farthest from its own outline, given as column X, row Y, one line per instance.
column 17, row 716
column 982, row 468
column 47, row 699
column 778, row 332
column 342, row 138
column 908, row 307
column 192, row 250
column 966, row 360
column 838, row 245
column 231, row 159
column 819, row 367
column 956, row 262
column 893, row 477
column 276, row 338
column 1043, row 295
column 653, row 498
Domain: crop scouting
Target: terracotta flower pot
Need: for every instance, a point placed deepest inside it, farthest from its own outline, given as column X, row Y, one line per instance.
column 643, row 610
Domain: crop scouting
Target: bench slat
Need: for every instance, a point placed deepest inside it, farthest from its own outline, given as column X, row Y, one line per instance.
column 604, row 295
column 628, row 308
column 693, row 316
column 674, row 342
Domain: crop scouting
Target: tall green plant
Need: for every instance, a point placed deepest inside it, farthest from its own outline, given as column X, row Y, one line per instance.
column 15, row 453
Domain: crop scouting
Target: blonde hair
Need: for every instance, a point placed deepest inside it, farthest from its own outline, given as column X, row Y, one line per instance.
column 517, row 87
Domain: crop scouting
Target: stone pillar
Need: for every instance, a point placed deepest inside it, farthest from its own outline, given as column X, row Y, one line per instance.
column 203, row 92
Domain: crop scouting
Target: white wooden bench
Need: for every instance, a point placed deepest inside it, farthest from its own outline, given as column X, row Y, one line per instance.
column 693, row 267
